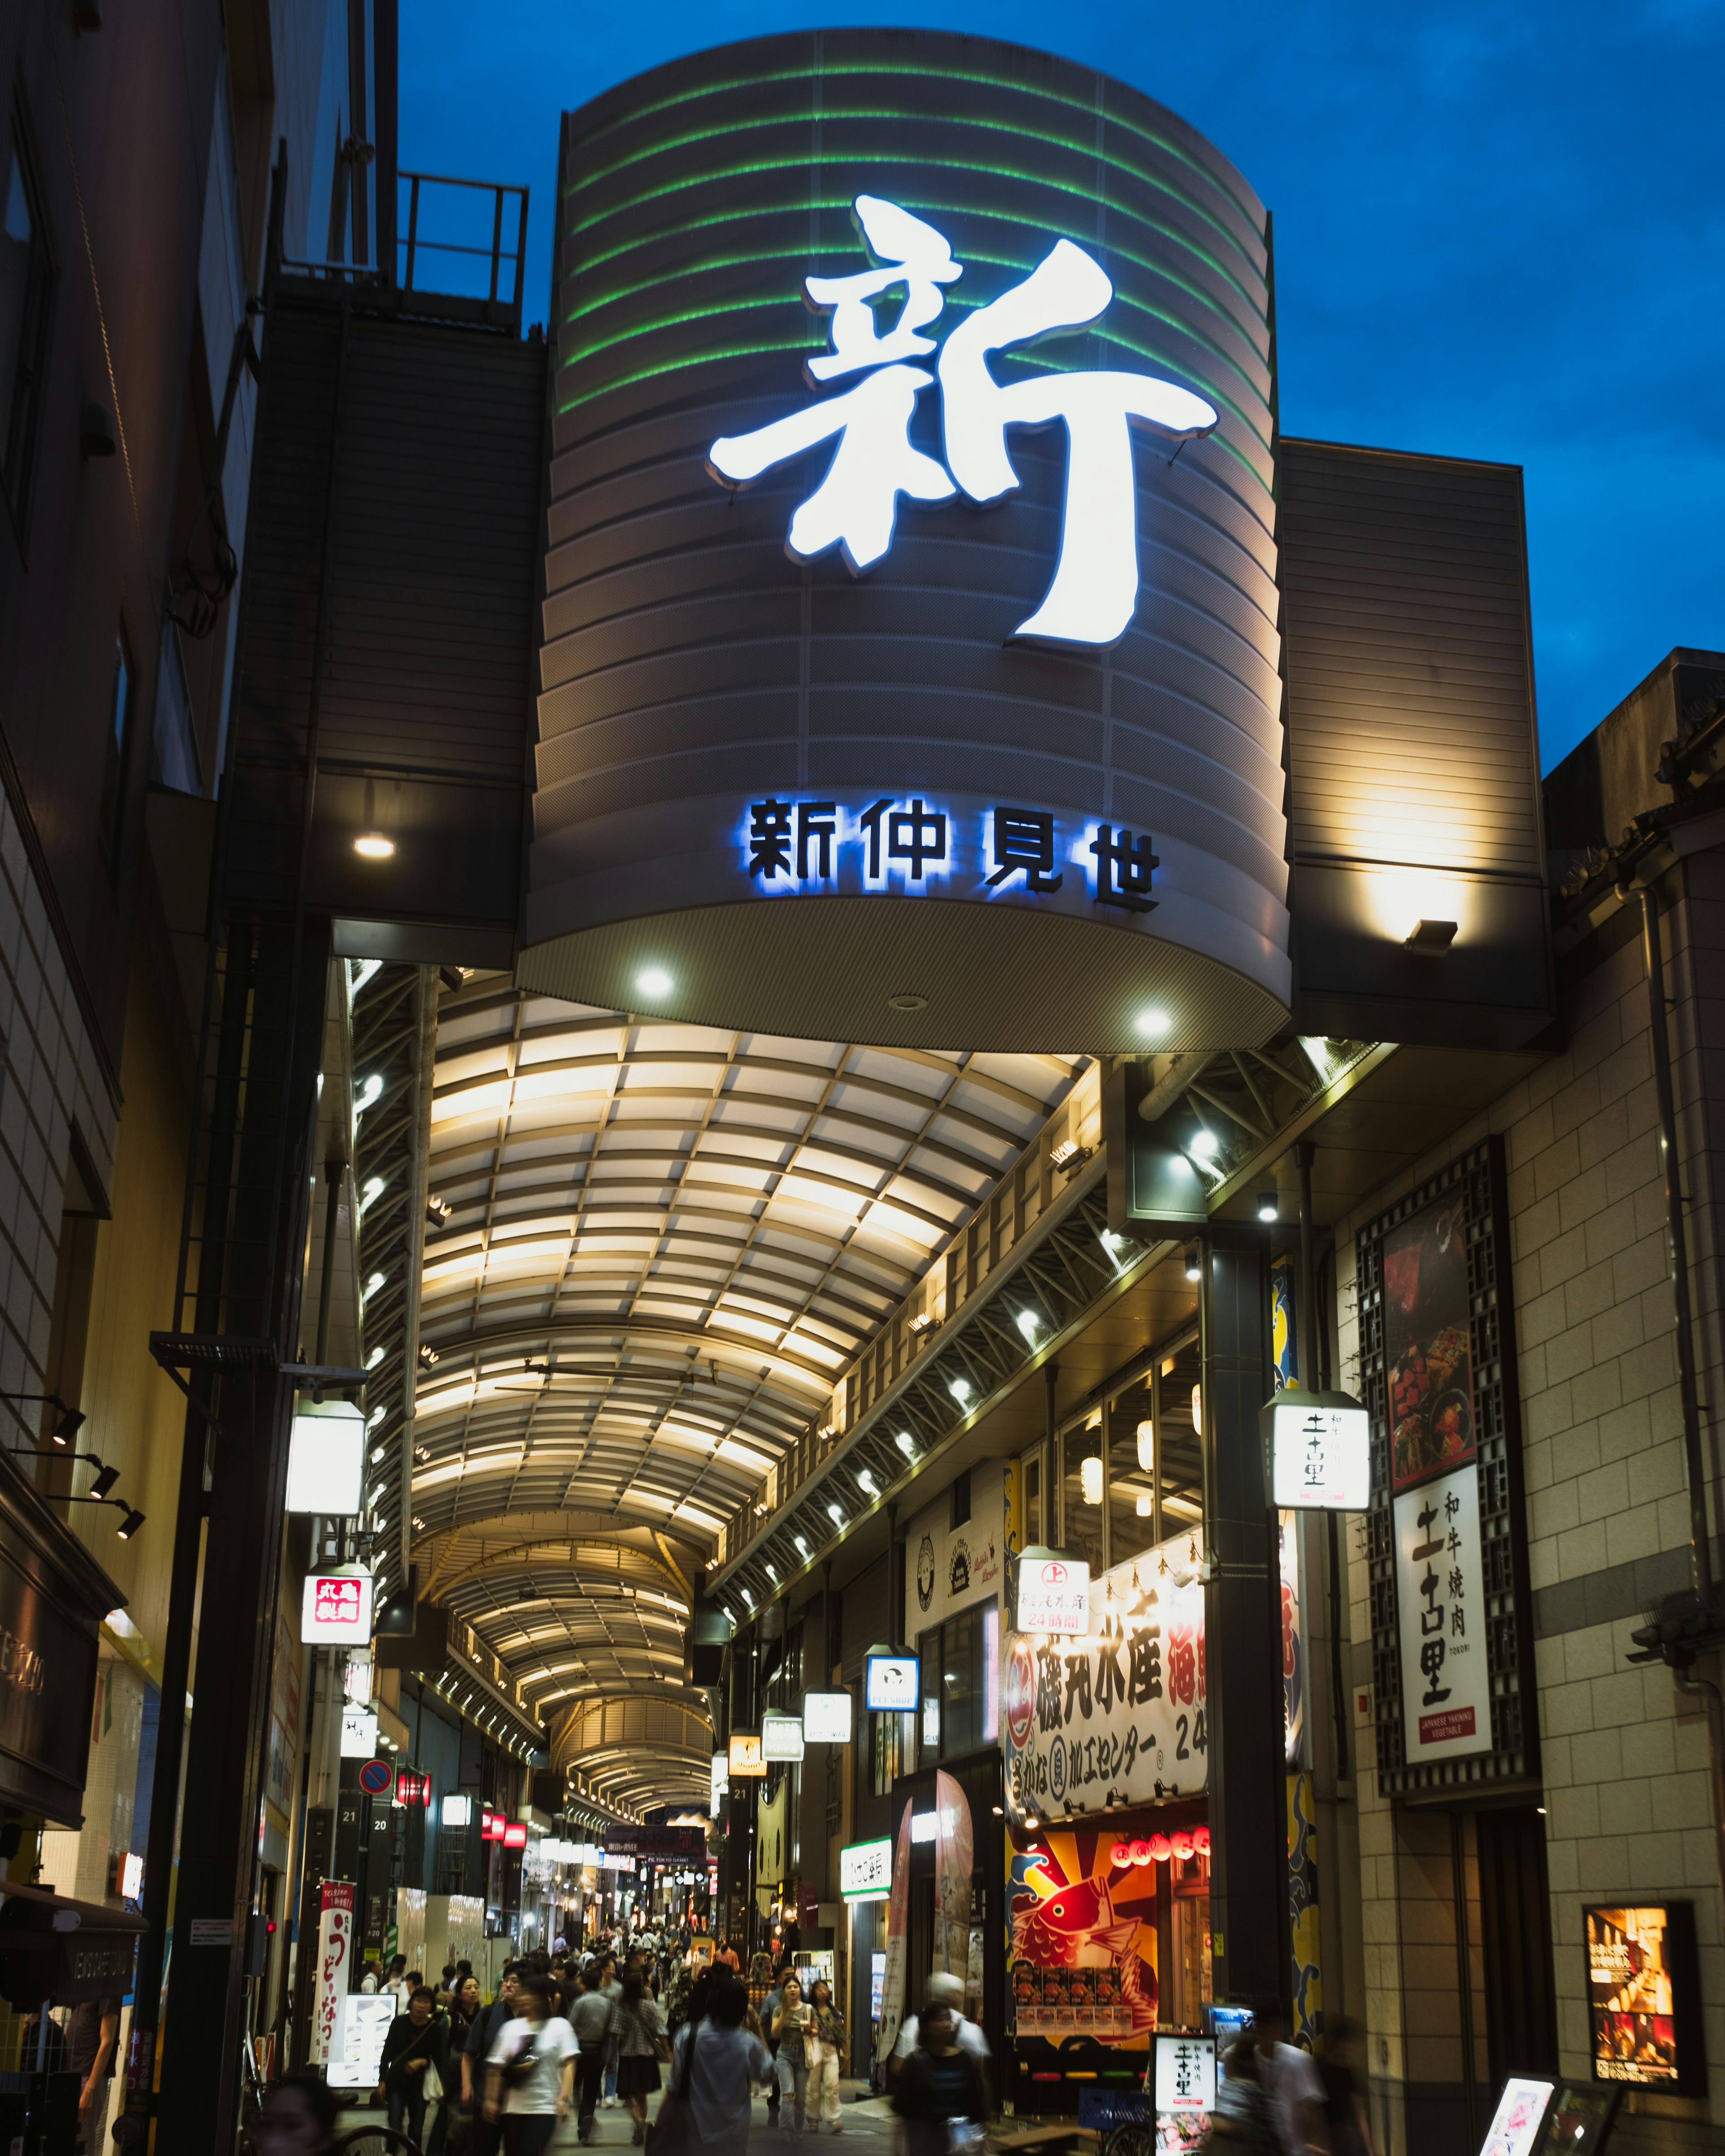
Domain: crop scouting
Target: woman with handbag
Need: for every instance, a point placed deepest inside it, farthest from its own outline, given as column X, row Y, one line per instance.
column 416, row 2057
column 940, row 2100
column 638, row 2027
column 826, row 2046
column 530, row 2071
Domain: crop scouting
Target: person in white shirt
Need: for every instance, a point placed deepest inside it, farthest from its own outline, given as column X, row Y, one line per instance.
column 945, row 1989
column 1295, row 2085
column 531, row 2070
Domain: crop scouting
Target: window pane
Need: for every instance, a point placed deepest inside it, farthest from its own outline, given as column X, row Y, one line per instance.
column 1132, row 1485
column 113, row 761
column 1081, row 1487
column 958, row 1686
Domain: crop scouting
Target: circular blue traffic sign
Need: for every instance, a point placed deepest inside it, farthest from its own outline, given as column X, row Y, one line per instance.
column 374, row 1777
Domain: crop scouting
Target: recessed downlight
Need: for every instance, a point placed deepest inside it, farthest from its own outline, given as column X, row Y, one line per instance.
column 373, row 846
column 653, row 981
column 1151, row 1023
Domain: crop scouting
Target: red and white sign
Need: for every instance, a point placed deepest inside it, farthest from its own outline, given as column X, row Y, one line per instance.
column 1020, row 1691
column 335, row 1610
column 335, row 1948
column 1054, row 1595
column 1440, row 1606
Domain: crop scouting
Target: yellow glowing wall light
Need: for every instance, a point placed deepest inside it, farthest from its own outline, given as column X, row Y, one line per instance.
column 1397, row 899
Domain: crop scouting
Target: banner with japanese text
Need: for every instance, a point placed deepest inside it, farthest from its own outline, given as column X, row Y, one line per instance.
column 1440, row 1597
column 1120, row 1713
column 335, row 1949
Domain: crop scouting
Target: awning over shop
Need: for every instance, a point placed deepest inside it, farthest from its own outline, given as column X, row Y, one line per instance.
column 54, row 1948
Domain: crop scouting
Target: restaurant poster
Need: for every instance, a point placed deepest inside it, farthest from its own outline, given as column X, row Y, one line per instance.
column 1427, row 1346
column 1440, row 1602
column 1643, row 1996
column 898, row 1919
column 1514, row 2130
column 1122, row 1712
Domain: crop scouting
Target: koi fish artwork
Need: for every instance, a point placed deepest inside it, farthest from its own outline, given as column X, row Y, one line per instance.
column 1071, row 1921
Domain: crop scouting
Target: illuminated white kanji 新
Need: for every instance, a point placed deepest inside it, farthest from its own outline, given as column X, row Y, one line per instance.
column 854, row 506
column 916, row 256
column 1096, row 583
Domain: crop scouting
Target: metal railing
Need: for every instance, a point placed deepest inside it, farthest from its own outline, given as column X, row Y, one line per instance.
column 502, row 264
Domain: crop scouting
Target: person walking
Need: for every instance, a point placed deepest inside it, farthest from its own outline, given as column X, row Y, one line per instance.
column 1244, row 2122
column 788, row 2028
column 719, row 2065
column 1349, row 2128
column 416, row 2058
column 770, row 2006
column 487, row 2025
column 465, row 2007
column 966, row 2033
column 530, row 2071
column 611, row 1985
column 1290, row 2078
column 827, row 2045
column 725, row 1955
column 939, row 2084
column 639, row 2028
column 590, row 2018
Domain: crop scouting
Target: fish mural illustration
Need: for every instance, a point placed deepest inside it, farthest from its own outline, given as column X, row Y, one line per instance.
column 1078, row 1903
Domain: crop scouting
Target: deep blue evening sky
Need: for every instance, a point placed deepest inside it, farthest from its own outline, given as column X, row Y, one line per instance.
column 1499, row 233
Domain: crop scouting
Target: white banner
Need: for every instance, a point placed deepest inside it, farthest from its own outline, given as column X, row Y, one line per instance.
column 335, row 1948
column 1121, row 1713
column 1441, row 1602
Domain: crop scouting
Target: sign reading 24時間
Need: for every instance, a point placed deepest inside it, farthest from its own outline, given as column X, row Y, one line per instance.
column 1095, row 589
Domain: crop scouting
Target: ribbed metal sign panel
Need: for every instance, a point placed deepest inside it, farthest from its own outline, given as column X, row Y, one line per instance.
column 702, row 690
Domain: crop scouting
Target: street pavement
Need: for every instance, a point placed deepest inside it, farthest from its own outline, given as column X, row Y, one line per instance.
column 866, row 2118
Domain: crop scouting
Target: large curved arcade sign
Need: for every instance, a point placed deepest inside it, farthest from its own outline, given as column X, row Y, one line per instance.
column 911, row 658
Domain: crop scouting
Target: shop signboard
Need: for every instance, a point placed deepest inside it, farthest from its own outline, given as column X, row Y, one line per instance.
column 782, row 1738
column 326, row 1460
column 336, row 1607
column 1643, row 1996
column 1185, row 2077
column 1437, row 1373
column 1120, row 1713
column 1054, row 1592
column 866, row 1870
column 1446, row 1686
column 1514, row 2130
column 359, row 1732
column 720, row 1783
column 1321, row 1458
column 826, row 1718
column 892, row 1684
column 356, row 2053
column 744, row 1760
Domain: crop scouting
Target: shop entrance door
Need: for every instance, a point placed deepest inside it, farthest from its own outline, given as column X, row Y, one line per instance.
column 1515, row 1918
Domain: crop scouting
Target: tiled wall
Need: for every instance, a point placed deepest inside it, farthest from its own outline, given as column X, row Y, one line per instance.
column 1625, row 1755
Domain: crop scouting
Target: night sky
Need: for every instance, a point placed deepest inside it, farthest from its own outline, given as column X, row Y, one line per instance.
column 1499, row 233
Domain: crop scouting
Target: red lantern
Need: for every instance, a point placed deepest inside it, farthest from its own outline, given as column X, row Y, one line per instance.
column 1182, row 1846
column 492, row 1828
column 1140, row 1853
column 1201, row 1840
column 1160, row 1849
column 514, row 1835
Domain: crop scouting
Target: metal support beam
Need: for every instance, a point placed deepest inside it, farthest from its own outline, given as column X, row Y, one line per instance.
column 1249, row 1873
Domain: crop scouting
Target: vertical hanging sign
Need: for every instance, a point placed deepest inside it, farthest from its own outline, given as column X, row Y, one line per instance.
column 335, row 1948
column 1446, row 1687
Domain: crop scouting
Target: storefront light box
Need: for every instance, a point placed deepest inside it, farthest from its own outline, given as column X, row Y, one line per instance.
column 782, row 1738
column 1321, row 1457
column 1054, row 1592
column 745, row 1756
column 892, row 1684
column 826, row 1718
column 336, row 1607
column 326, row 1461
column 1644, row 1997
column 866, row 1870
column 359, row 1733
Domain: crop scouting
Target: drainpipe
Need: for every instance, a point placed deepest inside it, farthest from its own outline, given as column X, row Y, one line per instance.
column 1677, row 1245
column 1715, row 1705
